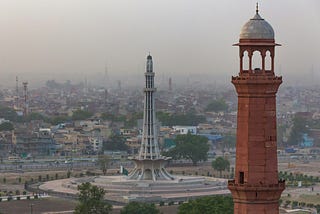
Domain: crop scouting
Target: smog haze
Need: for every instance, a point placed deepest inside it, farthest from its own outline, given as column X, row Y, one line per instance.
column 78, row 39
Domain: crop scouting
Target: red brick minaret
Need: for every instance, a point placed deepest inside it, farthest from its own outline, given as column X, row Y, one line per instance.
column 256, row 188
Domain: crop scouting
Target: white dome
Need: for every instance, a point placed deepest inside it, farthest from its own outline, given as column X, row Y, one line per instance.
column 257, row 28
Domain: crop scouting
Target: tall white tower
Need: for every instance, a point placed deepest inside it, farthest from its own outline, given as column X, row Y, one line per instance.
column 150, row 165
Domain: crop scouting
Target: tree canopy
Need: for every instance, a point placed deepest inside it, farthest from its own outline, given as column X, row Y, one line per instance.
column 217, row 105
column 189, row 119
column 208, row 205
column 220, row 164
column 103, row 161
column 192, row 147
column 6, row 126
column 299, row 127
column 91, row 200
column 139, row 208
column 113, row 117
column 81, row 115
column 8, row 114
column 115, row 142
column 229, row 141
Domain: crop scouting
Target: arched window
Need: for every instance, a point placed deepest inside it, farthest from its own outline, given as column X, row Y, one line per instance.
column 245, row 61
column 268, row 61
column 256, row 61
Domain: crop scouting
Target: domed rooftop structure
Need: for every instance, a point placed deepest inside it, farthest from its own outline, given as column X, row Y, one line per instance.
column 257, row 28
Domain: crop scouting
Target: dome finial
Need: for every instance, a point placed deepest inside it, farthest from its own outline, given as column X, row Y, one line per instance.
column 257, row 7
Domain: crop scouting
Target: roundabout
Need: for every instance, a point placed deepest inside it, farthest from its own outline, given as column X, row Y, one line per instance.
column 121, row 190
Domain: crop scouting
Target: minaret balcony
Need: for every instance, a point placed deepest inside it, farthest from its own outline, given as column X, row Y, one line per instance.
column 149, row 89
column 149, row 74
column 232, row 184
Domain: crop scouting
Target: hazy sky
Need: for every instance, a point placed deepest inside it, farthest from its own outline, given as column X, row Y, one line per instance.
column 71, row 39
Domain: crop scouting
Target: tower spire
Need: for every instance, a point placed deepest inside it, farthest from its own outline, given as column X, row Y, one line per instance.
column 149, row 164
column 257, row 7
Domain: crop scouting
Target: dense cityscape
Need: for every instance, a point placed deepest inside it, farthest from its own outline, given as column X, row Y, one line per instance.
column 145, row 136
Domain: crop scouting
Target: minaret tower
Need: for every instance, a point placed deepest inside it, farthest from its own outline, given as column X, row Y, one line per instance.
column 150, row 164
column 256, row 188
column 17, row 93
column 26, row 104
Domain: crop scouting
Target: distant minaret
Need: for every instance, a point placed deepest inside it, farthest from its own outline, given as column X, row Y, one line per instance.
column 86, row 85
column 17, row 92
column 106, row 76
column 150, row 164
column 170, row 84
column 105, row 96
column 119, row 85
column 25, row 90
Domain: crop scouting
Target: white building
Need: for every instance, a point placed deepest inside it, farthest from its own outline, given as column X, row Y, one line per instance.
column 96, row 143
column 185, row 129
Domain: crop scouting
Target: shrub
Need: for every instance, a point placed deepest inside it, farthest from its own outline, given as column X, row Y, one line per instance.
column 302, row 204
column 56, row 176
column 40, row 178
column 28, row 197
column 18, row 198
column 287, row 203
column 294, row 204
column 36, row 197
column 171, row 203
column 24, row 192
column 17, row 192
column 161, row 203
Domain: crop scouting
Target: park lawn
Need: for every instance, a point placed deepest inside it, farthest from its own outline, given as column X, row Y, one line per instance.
column 309, row 199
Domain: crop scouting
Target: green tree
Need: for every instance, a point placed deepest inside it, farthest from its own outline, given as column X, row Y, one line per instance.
column 81, row 115
column 299, row 127
column 208, row 205
column 115, row 142
column 8, row 114
column 192, row 147
column 220, row 164
column 59, row 119
column 217, row 106
column 188, row 119
column 229, row 141
column 113, row 117
column 35, row 116
column 103, row 161
column 132, row 120
column 91, row 200
column 139, row 208
column 6, row 126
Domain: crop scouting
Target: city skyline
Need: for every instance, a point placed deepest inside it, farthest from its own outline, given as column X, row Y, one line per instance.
column 80, row 39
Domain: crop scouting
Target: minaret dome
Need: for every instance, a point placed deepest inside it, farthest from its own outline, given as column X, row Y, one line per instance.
column 257, row 28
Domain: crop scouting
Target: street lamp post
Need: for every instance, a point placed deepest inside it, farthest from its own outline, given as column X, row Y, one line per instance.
column 31, row 208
